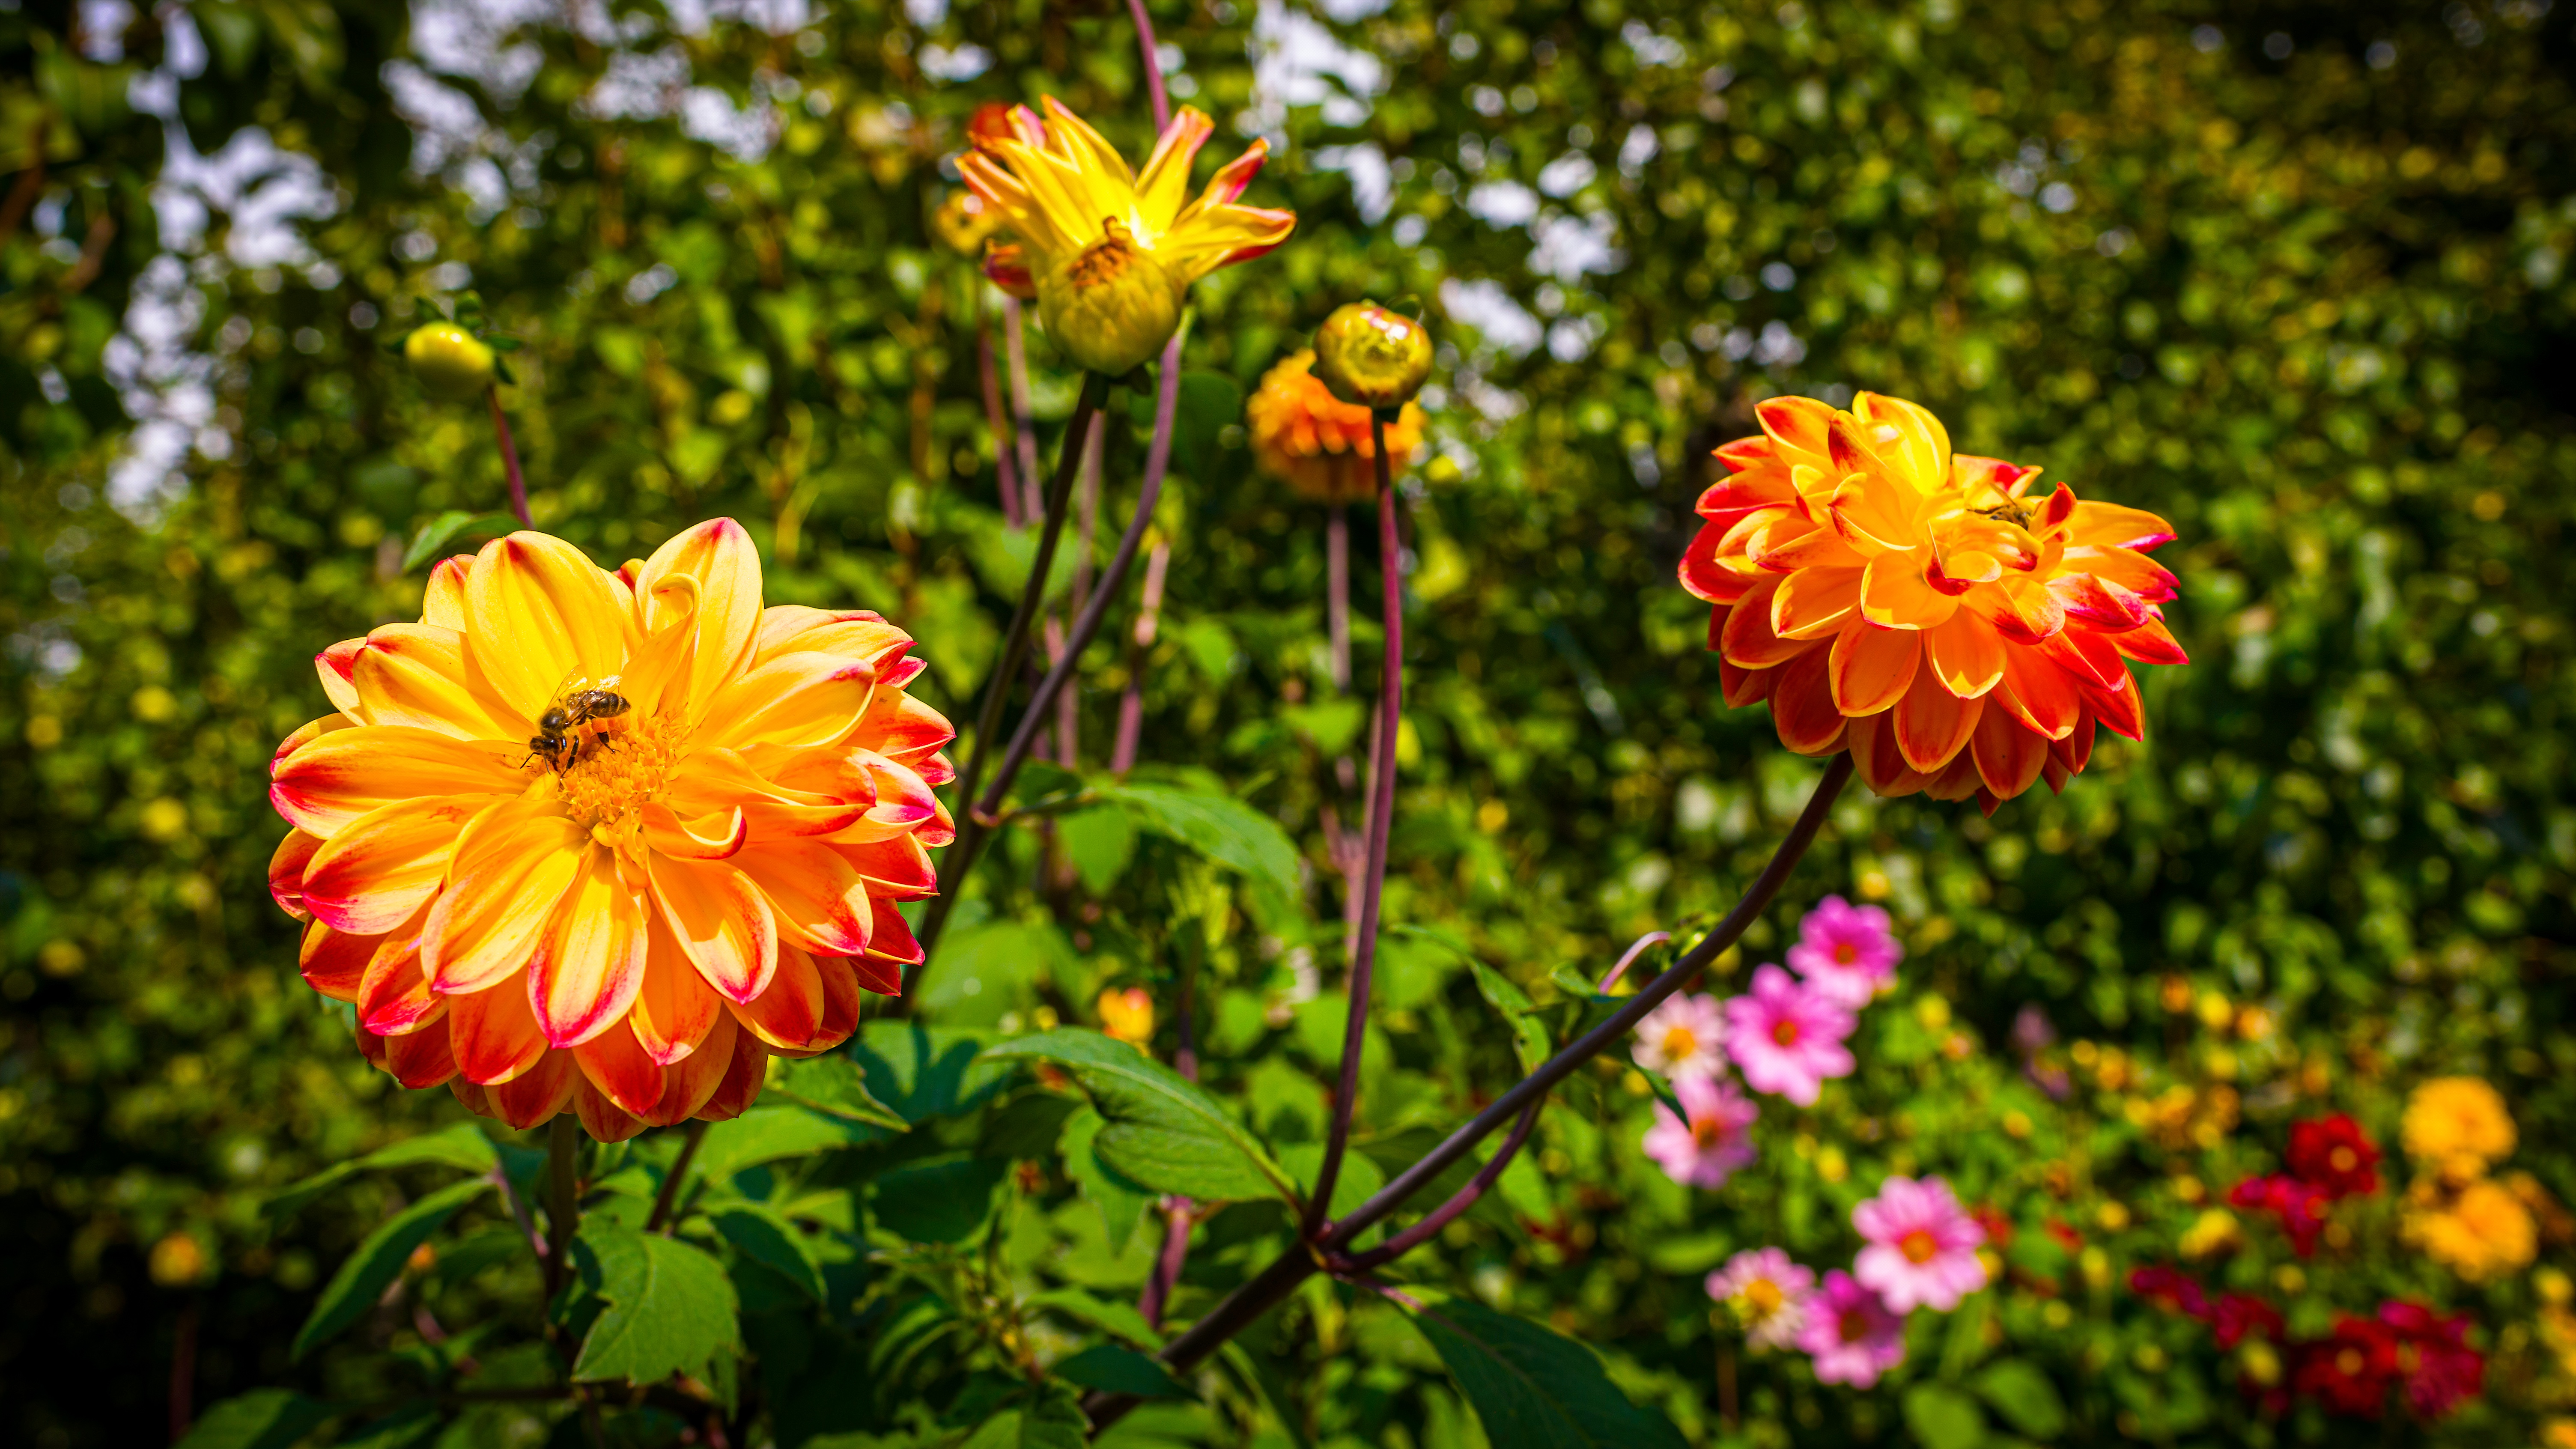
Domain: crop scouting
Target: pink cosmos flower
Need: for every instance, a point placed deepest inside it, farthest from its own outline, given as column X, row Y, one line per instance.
column 1787, row 1037
column 1685, row 1037
column 1717, row 1139
column 1845, row 951
column 1922, row 1249
column 1851, row 1335
column 1768, row 1293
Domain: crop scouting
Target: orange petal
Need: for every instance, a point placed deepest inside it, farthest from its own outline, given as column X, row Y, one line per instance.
column 2098, row 601
column 2008, row 755
column 539, row 612
column 512, row 864
column 2108, row 525
column 375, row 872
column 335, row 962
column 536, row 1096
column 1748, row 641
column 1703, row 575
column 2121, row 711
column 1802, row 705
column 842, row 986
column 495, row 1035
column 590, row 961
column 1894, row 592
column 600, row 1117
column 2039, row 694
column 1790, row 545
column 796, row 700
column 1873, row 513
column 897, row 869
column 675, row 1006
column 2021, row 609
column 306, row 734
column 789, row 1015
column 1964, row 654
column 1870, row 667
column 904, row 729
column 890, row 947
column 712, row 836
column 1958, row 780
column 687, row 1084
column 334, row 665
column 725, row 566
column 2139, row 574
column 342, row 774
column 394, row 999
column 740, row 1086
column 1931, row 725
column 1909, row 438
column 1744, row 686
column 1796, row 424
column 1814, row 602
column 721, row 920
column 2074, row 752
column 619, row 1067
column 1872, row 741
column 815, row 895
column 718, row 779
column 421, row 1059
column 2151, row 643
column 442, row 604
column 421, row 676
column 861, row 634
column 286, row 872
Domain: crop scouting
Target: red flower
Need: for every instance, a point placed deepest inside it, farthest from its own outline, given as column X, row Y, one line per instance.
column 1999, row 1228
column 2331, row 1155
column 2433, row 1353
column 2349, row 1371
column 2299, row 1206
column 2239, row 1317
column 2170, row 1288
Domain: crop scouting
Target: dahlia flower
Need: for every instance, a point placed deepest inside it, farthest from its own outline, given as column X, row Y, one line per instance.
column 1767, row 1293
column 2298, row 1205
column 1317, row 444
column 1685, row 1037
column 2333, row 1155
column 1786, row 1037
column 2349, row 1371
column 1845, row 951
column 2433, row 1352
column 2457, row 1123
column 1705, row 1149
column 1922, row 1249
column 2481, row 1232
column 1918, row 608
column 1109, row 254
column 1852, row 1336
column 630, row 917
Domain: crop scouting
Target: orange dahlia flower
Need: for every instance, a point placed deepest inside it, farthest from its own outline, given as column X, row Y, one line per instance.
column 1318, row 444
column 699, row 875
column 1920, row 609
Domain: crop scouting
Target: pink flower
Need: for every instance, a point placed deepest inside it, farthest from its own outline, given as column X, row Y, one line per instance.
column 1851, row 1335
column 1922, row 1249
column 2300, row 1207
column 1685, row 1037
column 1768, row 1293
column 1787, row 1038
column 1846, row 951
column 1705, row 1150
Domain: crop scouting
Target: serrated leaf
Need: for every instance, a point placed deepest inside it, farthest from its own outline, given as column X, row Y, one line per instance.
column 454, row 526
column 835, row 1085
column 924, row 1071
column 942, row 1200
column 1116, row 1369
column 260, row 1419
column 767, row 1134
column 1160, row 1130
column 461, row 1146
column 1122, row 1203
column 760, row 1234
column 2025, row 1396
column 670, row 1306
column 1534, row 1388
column 1943, row 1418
column 1117, row 1319
column 1220, row 827
column 1530, row 1042
column 362, row 1279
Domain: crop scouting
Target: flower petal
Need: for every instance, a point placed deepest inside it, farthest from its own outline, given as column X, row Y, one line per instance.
column 689, row 1083
column 675, row 1006
column 334, row 962
column 442, row 604
column 1814, row 602
column 795, row 700
column 418, row 1060
column 891, row 947
column 422, row 676
column 1965, row 654
column 2039, row 694
column 375, row 872
column 817, row 898
column 343, row 774
column 334, row 665
column 1896, row 592
column 1931, row 724
column 286, row 872
column 719, row 779
column 1871, row 667
column 721, row 920
column 603, row 1119
column 512, row 865
column 897, row 869
column 1802, row 705
column 495, row 1035
column 1747, row 641
column 590, row 961
column 720, row 556
column 536, row 1096
column 861, row 634
column 789, row 1015
column 1872, row 741
column 394, row 999
column 742, row 1081
column 617, row 1064
column 1796, row 424
column 712, row 836
column 540, row 612
column 2008, row 755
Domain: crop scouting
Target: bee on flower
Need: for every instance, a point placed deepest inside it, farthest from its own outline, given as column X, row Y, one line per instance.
column 632, row 920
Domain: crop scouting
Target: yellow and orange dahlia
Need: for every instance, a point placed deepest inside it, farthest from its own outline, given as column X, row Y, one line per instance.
column 1316, row 443
column 692, row 883
column 1919, row 608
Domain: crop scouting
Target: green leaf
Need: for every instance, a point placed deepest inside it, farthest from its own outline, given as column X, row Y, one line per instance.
column 1118, row 1319
column 362, row 1279
column 670, row 1306
column 453, row 527
column 988, row 970
column 1161, row 1130
column 1943, row 1418
column 835, row 1085
column 759, row 1233
column 1530, row 1041
column 1360, row 1177
column 1116, row 1369
column 2025, row 1396
column 1099, row 841
column 461, row 1146
column 1219, row 827
column 1208, row 402
column 260, row 1419
column 766, row 1134
column 926, row 1071
column 941, row 1200
column 1122, row 1203
column 1534, row 1388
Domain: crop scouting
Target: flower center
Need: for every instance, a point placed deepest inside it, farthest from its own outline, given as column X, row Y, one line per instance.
column 1762, row 1298
column 2348, row 1363
column 1680, row 1042
column 1846, row 953
column 1851, row 1325
column 1785, row 1033
column 616, row 771
column 1107, row 259
column 2343, row 1159
column 1918, row 1246
column 1708, row 1132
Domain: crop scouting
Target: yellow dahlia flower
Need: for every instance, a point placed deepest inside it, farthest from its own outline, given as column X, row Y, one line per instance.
column 1917, row 608
column 2482, row 1232
column 1316, row 443
column 1107, row 253
column 625, row 914
column 2457, row 1123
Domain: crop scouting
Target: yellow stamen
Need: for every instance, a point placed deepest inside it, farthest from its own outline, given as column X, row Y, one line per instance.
column 1918, row 1246
column 615, row 773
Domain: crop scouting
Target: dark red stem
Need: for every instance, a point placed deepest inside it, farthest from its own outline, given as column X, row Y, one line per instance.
column 509, row 456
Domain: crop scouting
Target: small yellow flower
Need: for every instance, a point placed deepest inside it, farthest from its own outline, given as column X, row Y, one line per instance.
column 964, row 222
column 2214, row 1231
column 1128, row 1015
column 450, row 362
column 177, row 1261
column 2484, row 1232
column 2457, row 1122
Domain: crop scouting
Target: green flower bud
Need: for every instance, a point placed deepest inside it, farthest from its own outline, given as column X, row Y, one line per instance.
column 1370, row 357
column 1111, row 306
column 449, row 361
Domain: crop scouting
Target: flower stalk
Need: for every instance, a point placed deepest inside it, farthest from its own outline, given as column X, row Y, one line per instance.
column 663, row 1201
column 563, row 1200
column 509, row 456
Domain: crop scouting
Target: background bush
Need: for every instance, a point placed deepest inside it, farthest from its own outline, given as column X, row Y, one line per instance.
column 2293, row 276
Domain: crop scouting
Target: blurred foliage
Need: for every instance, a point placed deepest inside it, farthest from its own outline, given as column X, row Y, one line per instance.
column 2306, row 297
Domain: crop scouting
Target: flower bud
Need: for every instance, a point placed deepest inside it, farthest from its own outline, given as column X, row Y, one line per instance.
column 1370, row 357
column 449, row 361
column 1110, row 306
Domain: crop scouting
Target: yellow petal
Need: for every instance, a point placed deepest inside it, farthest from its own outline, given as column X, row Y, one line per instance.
column 342, row 774
column 726, row 624
column 720, row 920
column 420, row 675
column 540, row 612
column 1814, row 602
column 795, row 700
column 513, row 864
column 376, row 871
column 590, row 961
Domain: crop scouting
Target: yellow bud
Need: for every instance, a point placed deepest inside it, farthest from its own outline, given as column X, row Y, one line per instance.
column 177, row 1261
column 1111, row 306
column 1370, row 357
column 2261, row 1361
column 1128, row 1015
column 449, row 361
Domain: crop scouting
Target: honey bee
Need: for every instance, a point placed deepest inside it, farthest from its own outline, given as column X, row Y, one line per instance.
column 577, row 701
